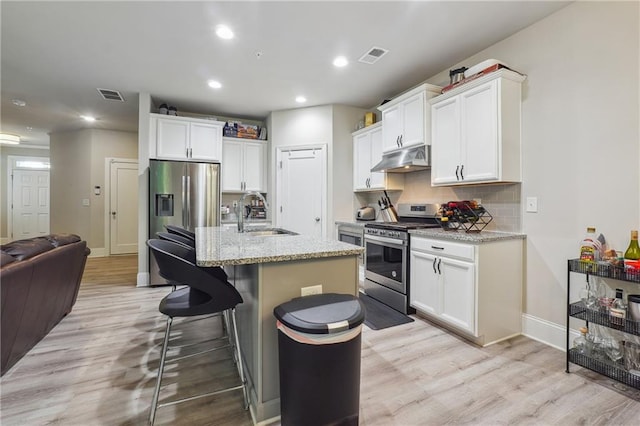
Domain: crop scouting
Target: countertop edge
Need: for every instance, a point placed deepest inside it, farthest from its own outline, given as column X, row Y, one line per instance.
column 480, row 237
column 281, row 258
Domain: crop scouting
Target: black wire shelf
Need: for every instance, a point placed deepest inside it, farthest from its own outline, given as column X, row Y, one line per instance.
column 610, row 369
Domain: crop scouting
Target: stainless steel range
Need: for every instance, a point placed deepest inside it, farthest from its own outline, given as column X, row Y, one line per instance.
column 387, row 254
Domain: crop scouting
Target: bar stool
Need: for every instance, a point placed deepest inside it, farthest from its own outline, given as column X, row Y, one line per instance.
column 173, row 229
column 203, row 295
column 176, row 238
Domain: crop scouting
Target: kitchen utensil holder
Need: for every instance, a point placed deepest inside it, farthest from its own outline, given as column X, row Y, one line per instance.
column 463, row 218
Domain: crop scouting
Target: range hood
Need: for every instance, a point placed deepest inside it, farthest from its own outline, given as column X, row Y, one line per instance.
column 405, row 160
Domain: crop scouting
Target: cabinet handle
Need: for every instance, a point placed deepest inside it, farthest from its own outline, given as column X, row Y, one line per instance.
column 457, row 177
column 401, row 142
column 367, row 183
column 461, row 175
column 398, row 141
column 439, row 262
column 434, row 264
column 437, row 248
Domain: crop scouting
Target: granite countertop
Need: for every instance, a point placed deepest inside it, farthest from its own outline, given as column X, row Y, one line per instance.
column 216, row 246
column 478, row 237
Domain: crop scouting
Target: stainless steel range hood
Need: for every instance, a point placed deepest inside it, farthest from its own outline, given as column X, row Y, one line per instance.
column 405, row 160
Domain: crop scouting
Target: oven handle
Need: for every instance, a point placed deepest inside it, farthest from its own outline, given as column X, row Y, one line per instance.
column 390, row 241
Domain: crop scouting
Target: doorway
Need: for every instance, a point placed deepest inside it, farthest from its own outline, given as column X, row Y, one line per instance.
column 28, row 196
column 301, row 190
column 122, row 206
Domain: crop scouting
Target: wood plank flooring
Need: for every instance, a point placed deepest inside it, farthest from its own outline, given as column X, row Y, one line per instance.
column 97, row 367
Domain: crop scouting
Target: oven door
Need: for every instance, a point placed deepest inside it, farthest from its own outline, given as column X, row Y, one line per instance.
column 385, row 262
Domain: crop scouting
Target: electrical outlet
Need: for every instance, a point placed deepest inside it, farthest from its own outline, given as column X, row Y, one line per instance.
column 85, row 202
column 532, row 204
column 308, row 291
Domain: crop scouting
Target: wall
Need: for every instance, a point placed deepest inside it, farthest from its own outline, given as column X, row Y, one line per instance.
column 77, row 165
column 144, row 107
column 580, row 138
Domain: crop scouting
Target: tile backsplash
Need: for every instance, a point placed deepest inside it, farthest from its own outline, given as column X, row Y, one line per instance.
column 501, row 200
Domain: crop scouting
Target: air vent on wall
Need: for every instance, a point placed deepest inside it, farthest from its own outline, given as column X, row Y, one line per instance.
column 111, row 95
column 373, row 55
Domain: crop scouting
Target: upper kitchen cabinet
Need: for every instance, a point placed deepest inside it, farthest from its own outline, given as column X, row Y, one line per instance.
column 244, row 165
column 183, row 138
column 367, row 152
column 475, row 131
column 406, row 118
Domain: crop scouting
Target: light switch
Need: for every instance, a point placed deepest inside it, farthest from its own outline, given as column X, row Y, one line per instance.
column 85, row 202
column 532, row 204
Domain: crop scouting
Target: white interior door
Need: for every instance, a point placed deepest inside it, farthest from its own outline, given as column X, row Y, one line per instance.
column 30, row 202
column 123, row 207
column 301, row 191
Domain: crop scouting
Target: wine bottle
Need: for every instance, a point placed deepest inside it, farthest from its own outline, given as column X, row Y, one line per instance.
column 618, row 310
column 632, row 255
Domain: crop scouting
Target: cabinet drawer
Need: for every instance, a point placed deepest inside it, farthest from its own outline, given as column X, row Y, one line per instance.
column 443, row 248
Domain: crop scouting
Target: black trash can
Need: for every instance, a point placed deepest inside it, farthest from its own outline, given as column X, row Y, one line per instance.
column 319, row 341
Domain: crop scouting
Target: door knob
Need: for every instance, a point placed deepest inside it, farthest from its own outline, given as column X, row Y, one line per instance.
column 317, row 219
column 113, row 214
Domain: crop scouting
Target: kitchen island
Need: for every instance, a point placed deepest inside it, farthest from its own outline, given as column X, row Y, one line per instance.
column 268, row 270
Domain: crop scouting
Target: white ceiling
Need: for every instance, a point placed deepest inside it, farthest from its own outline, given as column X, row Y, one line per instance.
column 56, row 54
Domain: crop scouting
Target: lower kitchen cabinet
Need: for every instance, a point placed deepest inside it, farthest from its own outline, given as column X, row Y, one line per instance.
column 473, row 289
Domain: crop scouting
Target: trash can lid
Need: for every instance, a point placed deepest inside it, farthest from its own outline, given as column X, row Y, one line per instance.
column 321, row 313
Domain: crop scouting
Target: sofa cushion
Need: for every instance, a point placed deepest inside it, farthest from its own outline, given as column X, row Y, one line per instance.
column 6, row 258
column 25, row 249
column 58, row 240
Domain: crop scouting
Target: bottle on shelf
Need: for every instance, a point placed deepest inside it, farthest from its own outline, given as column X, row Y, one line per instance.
column 590, row 247
column 632, row 254
column 618, row 310
column 584, row 343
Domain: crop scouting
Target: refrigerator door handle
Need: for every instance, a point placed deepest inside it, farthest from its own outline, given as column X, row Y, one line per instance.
column 184, row 200
column 188, row 202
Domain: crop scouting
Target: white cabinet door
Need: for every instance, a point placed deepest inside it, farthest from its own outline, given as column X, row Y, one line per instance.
column 205, row 142
column 254, row 166
column 231, row 166
column 425, row 283
column 172, row 139
column 480, row 133
column 413, row 118
column 445, row 140
column 377, row 179
column 361, row 161
column 458, row 293
column 392, row 120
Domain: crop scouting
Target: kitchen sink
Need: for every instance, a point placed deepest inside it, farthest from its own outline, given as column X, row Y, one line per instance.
column 265, row 232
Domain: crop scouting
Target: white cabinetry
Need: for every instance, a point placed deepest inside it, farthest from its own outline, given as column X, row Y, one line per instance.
column 243, row 165
column 183, row 138
column 406, row 119
column 367, row 152
column 475, row 131
column 474, row 289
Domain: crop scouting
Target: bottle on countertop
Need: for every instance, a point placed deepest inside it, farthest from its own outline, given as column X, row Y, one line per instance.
column 590, row 247
column 632, row 254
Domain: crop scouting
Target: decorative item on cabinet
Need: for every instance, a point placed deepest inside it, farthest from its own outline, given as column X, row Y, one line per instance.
column 475, row 131
column 467, row 216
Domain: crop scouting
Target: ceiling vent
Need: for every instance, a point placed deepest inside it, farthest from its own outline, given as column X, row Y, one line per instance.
column 111, row 95
column 373, row 55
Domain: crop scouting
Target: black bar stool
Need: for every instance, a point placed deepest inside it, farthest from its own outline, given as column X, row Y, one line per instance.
column 173, row 229
column 204, row 294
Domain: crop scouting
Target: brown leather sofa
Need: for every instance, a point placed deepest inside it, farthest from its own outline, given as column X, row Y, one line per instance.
column 39, row 279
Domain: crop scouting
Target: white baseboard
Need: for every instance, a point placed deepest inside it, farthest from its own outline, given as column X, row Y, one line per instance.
column 99, row 252
column 546, row 332
column 4, row 240
column 142, row 279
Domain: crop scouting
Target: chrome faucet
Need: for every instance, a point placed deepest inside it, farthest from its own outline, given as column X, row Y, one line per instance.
column 241, row 208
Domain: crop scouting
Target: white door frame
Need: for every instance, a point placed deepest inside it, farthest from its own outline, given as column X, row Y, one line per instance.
column 11, row 165
column 280, row 150
column 107, row 198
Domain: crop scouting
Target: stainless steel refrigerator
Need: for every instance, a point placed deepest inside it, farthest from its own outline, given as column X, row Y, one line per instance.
column 181, row 193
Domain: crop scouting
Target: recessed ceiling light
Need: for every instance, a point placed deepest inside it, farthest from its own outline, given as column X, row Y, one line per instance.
column 214, row 84
column 340, row 61
column 9, row 139
column 224, row 32
column 18, row 102
column 88, row 118
column 301, row 99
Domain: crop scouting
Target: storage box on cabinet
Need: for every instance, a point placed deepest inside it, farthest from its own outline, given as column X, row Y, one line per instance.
column 367, row 152
column 474, row 290
column 475, row 132
column 406, row 119
column 244, row 165
column 183, row 138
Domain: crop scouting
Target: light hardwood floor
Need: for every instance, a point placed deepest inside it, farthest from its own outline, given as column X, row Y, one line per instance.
column 97, row 368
